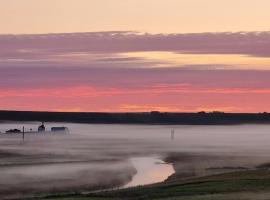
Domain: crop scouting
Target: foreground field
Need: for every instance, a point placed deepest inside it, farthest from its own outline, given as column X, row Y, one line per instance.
column 242, row 185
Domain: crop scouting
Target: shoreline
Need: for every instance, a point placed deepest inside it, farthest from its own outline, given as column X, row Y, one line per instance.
column 171, row 181
column 166, row 183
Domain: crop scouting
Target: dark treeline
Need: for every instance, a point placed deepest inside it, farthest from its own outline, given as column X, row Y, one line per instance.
column 201, row 118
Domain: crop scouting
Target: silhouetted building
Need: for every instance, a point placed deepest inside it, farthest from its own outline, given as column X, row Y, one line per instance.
column 60, row 129
column 41, row 128
column 13, row 131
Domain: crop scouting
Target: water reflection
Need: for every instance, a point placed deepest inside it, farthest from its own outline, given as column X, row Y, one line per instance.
column 149, row 170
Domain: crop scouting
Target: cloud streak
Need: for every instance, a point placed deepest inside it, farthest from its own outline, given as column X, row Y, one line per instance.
column 117, row 71
column 249, row 43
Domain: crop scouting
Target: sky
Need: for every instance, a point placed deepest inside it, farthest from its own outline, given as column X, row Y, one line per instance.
column 154, row 16
column 135, row 55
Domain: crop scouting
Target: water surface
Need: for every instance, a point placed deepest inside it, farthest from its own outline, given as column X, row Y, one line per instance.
column 149, row 170
column 107, row 156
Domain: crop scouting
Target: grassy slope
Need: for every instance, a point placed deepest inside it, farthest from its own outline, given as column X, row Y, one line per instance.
column 242, row 185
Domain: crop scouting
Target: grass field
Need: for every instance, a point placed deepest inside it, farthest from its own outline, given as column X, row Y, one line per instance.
column 242, row 185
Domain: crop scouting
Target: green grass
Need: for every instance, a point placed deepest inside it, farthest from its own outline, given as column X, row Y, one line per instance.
column 235, row 185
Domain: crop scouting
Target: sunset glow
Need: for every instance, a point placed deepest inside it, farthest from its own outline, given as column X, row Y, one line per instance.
column 135, row 55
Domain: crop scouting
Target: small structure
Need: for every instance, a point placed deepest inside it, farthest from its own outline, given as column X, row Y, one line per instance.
column 60, row 129
column 13, row 131
column 41, row 128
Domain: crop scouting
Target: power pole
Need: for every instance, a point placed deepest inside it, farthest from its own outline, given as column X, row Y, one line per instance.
column 23, row 134
column 172, row 134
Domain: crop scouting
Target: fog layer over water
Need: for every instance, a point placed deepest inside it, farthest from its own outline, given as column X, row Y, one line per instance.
column 106, row 156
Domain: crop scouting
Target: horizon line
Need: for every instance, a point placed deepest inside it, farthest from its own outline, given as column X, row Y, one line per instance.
column 152, row 111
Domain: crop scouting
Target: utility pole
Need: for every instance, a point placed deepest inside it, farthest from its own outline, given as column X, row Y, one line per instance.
column 172, row 134
column 23, row 134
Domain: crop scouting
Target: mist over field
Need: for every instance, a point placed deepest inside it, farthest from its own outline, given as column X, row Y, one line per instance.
column 98, row 156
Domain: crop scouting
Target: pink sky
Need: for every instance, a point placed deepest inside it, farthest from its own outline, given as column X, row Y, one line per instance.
column 126, row 71
column 135, row 55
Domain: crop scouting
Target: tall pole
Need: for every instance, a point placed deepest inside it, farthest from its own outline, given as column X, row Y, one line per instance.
column 172, row 134
column 23, row 133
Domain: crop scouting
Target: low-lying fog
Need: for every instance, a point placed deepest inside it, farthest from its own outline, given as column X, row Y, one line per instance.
column 102, row 156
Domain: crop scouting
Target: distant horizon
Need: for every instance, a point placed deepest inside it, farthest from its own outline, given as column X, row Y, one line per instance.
column 153, row 111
